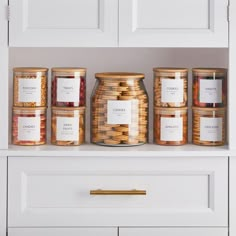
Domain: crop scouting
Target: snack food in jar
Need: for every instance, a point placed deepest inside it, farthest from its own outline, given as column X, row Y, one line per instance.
column 68, row 87
column 68, row 126
column 29, row 126
column 30, row 87
column 170, row 87
column 209, row 87
column 119, row 107
column 170, row 126
column 209, row 126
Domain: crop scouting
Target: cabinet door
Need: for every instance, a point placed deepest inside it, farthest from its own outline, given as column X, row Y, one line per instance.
column 63, row 232
column 96, row 191
column 173, row 232
column 64, row 23
column 171, row 23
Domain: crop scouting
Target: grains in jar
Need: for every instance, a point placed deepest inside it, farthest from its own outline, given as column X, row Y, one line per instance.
column 209, row 126
column 170, row 87
column 119, row 109
column 170, row 126
column 30, row 87
column 29, row 126
column 68, row 126
column 68, row 87
column 209, row 87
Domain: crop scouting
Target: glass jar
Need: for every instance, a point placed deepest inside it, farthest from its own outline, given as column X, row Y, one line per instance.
column 68, row 87
column 30, row 87
column 29, row 126
column 209, row 87
column 209, row 126
column 170, row 87
column 119, row 110
column 171, row 126
column 68, row 126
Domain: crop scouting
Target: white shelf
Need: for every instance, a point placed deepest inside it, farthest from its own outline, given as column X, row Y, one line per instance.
column 147, row 150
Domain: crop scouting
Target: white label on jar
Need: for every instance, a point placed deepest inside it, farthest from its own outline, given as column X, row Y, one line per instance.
column 172, row 90
column 68, row 90
column 30, row 90
column 171, row 129
column 29, row 128
column 211, row 129
column 119, row 112
column 67, row 129
column 210, row 91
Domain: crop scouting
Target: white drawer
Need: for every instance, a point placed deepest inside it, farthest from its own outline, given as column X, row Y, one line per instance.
column 188, row 191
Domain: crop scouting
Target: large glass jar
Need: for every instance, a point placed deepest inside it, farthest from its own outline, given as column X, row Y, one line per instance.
column 209, row 126
column 29, row 126
column 30, row 87
column 119, row 109
column 209, row 87
column 68, row 126
column 68, row 87
column 171, row 126
column 170, row 87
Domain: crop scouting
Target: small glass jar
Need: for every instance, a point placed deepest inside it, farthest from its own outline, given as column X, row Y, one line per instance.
column 119, row 109
column 171, row 126
column 209, row 87
column 170, row 87
column 209, row 126
column 68, row 126
column 68, row 87
column 29, row 126
column 30, row 87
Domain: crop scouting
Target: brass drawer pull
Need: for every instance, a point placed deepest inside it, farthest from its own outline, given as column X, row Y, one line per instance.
column 117, row 192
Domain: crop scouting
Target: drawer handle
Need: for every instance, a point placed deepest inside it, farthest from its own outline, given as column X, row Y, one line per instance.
column 117, row 192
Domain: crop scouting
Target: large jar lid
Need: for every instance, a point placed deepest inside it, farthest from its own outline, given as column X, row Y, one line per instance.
column 30, row 69
column 171, row 109
column 29, row 108
column 119, row 75
column 170, row 69
column 208, row 108
column 54, row 108
column 209, row 70
column 68, row 69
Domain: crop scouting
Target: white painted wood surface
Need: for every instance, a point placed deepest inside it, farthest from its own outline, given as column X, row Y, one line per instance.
column 53, row 192
column 170, row 23
column 232, row 195
column 64, row 23
column 63, row 232
column 173, row 232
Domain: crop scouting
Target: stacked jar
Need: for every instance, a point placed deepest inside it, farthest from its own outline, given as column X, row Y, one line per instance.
column 119, row 108
column 209, row 106
column 29, row 106
column 68, row 106
column 170, row 106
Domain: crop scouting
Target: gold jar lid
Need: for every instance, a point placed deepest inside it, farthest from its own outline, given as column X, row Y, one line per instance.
column 209, row 70
column 170, row 69
column 29, row 108
column 54, row 108
column 68, row 69
column 119, row 75
column 30, row 69
column 208, row 108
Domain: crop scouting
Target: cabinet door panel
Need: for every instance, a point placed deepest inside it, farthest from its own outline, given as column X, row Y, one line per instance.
column 171, row 23
column 55, row 192
column 173, row 232
column 65, row 23
column 63, row 232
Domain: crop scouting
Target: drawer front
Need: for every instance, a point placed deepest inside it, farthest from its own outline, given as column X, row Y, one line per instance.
column 57, row 191
column 63, row 232
column 173, row 232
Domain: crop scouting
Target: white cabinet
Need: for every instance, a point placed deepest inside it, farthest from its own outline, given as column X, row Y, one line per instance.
column 53, row 192
column 171, row 23
column 125, row 23
column 67, row 23
column 3, row 195
column 173, row 232
column 63, row 232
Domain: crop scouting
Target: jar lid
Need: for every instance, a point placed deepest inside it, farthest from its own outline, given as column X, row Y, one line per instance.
column 30, row 69
column 170, row 69
column 209, row 108
column 171, row 109
column 54, row 108
column 209, row 70
column 68, row 69
column 29, row 108
column 119, row 75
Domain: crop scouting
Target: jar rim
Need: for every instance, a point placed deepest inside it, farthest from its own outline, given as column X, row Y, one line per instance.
column 119, row 75
column 55, row 108
column 209, row 70
column 30, row 69
column 68, row 69
column 29, row 108
column 194, row 108
column 169, row 69
column 171, row 109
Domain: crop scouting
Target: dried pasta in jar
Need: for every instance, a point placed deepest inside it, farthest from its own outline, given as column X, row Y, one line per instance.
column 68, row 126
column 30, row 87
